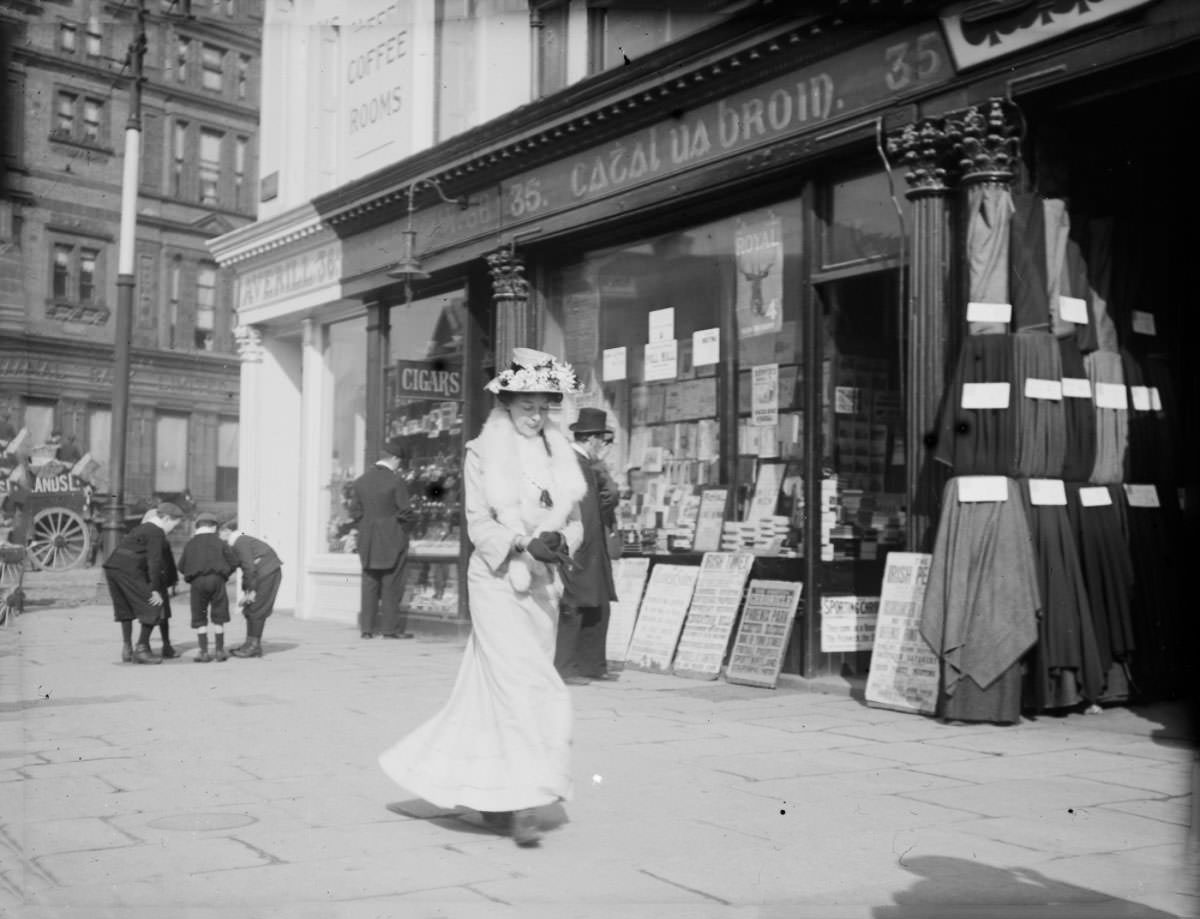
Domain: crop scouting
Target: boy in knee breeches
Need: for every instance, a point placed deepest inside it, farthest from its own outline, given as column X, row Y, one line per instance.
column 206, row 564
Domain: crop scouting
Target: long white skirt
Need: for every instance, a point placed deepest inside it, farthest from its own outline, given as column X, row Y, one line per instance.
column 502, row 741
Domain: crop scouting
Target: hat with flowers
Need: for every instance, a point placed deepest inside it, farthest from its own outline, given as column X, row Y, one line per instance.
column 535, row 372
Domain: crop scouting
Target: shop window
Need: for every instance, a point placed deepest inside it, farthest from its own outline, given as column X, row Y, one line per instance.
column 622, row 30
column 170, row 454
column 206, row 308
column 212, row 63
column 210, row 166
column 39, row 421
column 227, row 459
column 642, row 325
column 99, row 436
column 423, row 398
column 344, row 427
column 861, row 220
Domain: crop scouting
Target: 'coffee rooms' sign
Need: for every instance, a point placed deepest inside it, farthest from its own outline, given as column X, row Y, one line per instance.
column 376, row 81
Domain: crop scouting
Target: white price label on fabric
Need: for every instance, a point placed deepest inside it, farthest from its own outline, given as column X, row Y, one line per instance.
column 1112, row 395
column 1143, row 323
column 1140, row 397
column 1155, row 400
column 1043, row 389
column 985, row 395
column 989, row 312
column 1047, row 492
column 1095, row 496
column 1073, row 309
column 1076, row 388
column 1141, row 495
column 976, row 488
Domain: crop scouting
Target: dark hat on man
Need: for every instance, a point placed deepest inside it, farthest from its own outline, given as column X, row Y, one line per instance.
column 168, row 509
column 205, row 519
column 395, row 446
column 591, row 421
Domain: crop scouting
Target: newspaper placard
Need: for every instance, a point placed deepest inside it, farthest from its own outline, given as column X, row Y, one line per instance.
column 904, row 669
column 660, row 617
column 848, row 623
column 629, row 577
column 762, row 636
column 715, row 604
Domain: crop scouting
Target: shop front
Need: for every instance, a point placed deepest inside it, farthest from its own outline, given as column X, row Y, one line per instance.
column 759, row 266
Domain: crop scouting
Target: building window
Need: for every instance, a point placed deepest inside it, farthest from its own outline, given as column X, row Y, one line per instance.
column 173, row 304
column 91, row 120
column 170, row 454
column 87, row 275
column 94, row 38
column 213, row 63
column 210, row 166
column 99, row 437
column 64, row 123
column 243, row 76
column 206, row 308
column 227, row 459
column 552, row 59
column 183, row 53
column 62, row 272
column 178, row 148
column 239, row 172
column 66, row 36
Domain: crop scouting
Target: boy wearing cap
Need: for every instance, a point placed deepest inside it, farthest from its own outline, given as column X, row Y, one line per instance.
column 168, row 577
column 133, row 572
column 261, row 573
column 206, row 564
column 379, row 508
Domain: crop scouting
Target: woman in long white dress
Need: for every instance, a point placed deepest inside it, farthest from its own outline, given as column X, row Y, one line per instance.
column 501, row 744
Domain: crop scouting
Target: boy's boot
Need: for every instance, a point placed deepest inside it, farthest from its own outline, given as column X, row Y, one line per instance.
column 202, row 657
column 253, row 645
column 168, row 650
column 219, row 650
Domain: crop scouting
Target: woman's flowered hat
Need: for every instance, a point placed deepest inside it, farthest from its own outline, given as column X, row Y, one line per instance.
column 535, row 372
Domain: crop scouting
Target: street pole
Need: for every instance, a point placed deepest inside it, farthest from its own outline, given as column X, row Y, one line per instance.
column 114, row 512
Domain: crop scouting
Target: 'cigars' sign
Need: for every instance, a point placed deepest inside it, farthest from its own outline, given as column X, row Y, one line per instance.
column 983, row 30
column 424, row 380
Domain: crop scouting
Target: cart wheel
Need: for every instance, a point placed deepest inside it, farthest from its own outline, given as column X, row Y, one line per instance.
column 59, row 539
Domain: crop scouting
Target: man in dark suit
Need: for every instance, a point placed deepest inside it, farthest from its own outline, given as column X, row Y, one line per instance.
column 588, row 586
column 380, row 509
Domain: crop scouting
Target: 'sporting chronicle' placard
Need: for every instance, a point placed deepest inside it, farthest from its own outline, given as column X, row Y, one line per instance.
column 762, row 636
column 904, row 669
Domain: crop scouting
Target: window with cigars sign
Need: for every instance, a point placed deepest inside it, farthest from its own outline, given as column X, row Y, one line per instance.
column 983, row 30
column 438, row 380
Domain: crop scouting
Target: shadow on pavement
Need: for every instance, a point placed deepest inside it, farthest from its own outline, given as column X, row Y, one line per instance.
column 955, row 887
column 466, row 821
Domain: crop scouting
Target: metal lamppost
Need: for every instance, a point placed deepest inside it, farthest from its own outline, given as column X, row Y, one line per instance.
column 114, row 511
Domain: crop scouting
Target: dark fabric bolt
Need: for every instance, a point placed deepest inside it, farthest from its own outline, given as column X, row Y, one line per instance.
column 1079, row 418
column 1066, row 665
column 1112, row 425
column 978, row 441
column 1027, row 278
column 1041, row 442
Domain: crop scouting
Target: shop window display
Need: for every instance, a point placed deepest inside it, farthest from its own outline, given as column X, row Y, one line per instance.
column 423, row 403
column 346, row 415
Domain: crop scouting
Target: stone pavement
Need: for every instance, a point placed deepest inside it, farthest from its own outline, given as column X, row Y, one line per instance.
column 250, row 789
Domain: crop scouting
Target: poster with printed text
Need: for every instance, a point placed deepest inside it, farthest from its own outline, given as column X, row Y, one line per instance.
column 904, row 669
column 629, row 578
column 758, row 248
column 660, row 617
column 715, row 604
column 763, row 633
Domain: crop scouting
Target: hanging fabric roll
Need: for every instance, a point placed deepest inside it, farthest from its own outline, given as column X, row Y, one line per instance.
column 1160, row 662
column 1040, row 423
column 1111, row 400
column 1108, row 576
column 981, row 604
column 1101, row 333
column 1065, row 667
column 1079, row 417
column 1169, row 461
column 1141, row 455
column 989, row 215
column 975, row 430
column 1058, row 229
column 1027, row 279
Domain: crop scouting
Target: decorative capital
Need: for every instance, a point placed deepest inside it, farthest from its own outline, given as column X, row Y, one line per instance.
column 508, row 275
column 926, row 148
column 249, row 344
column 987, row 143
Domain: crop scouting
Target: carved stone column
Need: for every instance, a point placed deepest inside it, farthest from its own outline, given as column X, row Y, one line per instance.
column 378, row 330
column 249, row 342
column 510, row 294
column 926, row 149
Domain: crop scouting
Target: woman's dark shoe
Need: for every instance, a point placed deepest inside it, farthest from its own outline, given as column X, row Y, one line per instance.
column 143, row 655
column 525, row 829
